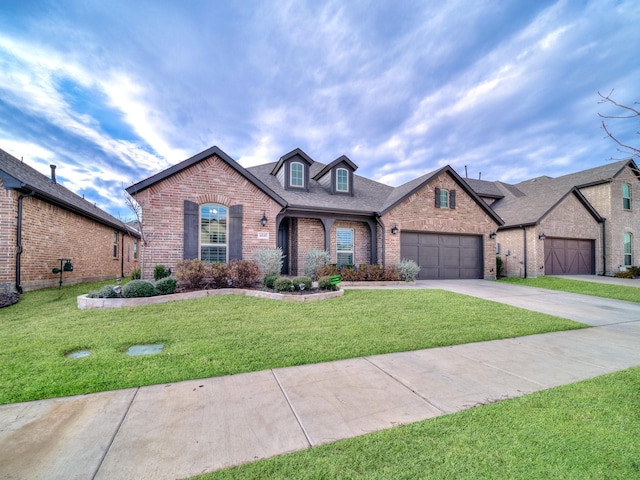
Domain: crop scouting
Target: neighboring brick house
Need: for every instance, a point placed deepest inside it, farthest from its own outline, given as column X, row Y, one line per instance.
column 581, row 223
column 41, row 222
column 210, row 207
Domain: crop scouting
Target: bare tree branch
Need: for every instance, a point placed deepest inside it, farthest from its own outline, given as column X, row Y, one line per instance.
column 145, row 237
column 608, row 99
column 630, row 151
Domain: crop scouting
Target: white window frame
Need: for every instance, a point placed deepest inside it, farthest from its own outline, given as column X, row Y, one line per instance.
column 291, row 176
column 115, row 243
column 444, row 198
column 213, row 210
column 627, row 249
column 343, row 248
column 346, row 180
column 626, row 196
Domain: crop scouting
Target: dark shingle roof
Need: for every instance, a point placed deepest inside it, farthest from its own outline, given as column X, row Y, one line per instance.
column 484, row 188
column 18, row 175
column 527, row 202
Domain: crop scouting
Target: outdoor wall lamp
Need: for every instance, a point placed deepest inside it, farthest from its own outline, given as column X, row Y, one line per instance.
column 263, row 220
column 394, row 230
column 492, row 235
column 542, row 236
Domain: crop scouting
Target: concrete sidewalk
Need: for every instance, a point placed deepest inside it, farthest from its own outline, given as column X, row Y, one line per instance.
column 184, row 429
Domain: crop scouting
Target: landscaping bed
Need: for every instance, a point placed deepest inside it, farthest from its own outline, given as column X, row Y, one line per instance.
column 85, row 303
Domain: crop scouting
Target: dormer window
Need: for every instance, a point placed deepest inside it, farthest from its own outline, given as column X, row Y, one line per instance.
column 296, row 177
column 342, row 180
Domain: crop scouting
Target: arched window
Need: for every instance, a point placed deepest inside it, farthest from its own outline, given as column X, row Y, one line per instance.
column 213, row 233
column 342, row 180
column 296, row 178
column 628, row 254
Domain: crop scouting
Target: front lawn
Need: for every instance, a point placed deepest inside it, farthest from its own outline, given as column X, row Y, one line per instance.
column 586, row 430
column 616, row 292
column 231, row 334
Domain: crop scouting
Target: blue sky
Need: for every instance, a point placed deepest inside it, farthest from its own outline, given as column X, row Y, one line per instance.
column 115, row 91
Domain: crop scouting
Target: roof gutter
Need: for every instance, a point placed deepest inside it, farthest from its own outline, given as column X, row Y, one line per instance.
column 19, row 239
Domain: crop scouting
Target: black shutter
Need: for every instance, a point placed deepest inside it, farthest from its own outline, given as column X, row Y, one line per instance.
column 437, row 197
column 235, row 232
column 452, row 199
column 191, row 217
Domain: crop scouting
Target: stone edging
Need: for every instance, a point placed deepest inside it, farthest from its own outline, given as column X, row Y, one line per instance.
column 85, row 303
column 376, row 284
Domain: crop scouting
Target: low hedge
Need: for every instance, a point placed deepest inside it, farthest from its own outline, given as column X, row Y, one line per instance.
column 139, row 288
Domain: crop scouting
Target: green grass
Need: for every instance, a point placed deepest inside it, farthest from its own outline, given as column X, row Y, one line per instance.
column 231, row 334
column 616, row 292
column 582, row 431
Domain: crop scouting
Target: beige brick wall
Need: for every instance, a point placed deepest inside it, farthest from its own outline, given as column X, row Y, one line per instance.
column 310, row 235
column 418, row 213
column 50, row 233
column 607, row 200
column 569, row 219
column 209, row 181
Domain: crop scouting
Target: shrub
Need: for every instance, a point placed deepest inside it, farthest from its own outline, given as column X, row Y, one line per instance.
column 166, row 285
column 375, row 272
column 499, row 267
column 625, row 274
column 191, row 271
column 315, row 259
column 362, row 273
column 243, row 273
column 408, row 270
column 324, row 283
column 282, row 284
column 635, row 271
column 219, row 275
column 160, row 271
column 105, row 292
column 135, row 274
column 306, row 281
column 348, row 273
column 327, row 270
column 139, row 288
column 270, row 261
column 8, row 298
column 391, row 273
column 270, row 280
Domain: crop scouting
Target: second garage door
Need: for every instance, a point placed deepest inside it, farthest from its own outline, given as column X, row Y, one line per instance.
column 566, row 256
column 443, row 256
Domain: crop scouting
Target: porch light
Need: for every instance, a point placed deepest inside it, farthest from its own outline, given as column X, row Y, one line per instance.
column 542, row 236
column 394, row 230
column 264, row 220
column 492, row 235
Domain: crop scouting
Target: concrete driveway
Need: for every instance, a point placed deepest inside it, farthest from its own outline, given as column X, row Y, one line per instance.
column 188, row 428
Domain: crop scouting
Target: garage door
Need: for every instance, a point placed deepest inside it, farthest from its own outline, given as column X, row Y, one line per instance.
column 443, row 256
column 566, row 256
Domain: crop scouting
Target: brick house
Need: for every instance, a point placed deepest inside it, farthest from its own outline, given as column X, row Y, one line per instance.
column 210, row 207
column 580, row 223
column 41, row 222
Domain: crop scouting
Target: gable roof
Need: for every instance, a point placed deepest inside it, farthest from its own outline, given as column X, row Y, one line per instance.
column 370, row 198
column 335, row 163
column 19, row 176
column 189, row 162
column 404, row 191
column 528, row 202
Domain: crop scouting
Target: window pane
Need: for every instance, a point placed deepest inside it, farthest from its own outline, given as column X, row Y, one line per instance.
column 297, row 179
column 626, row 196
column 213, row 254
column 213, row 224
column 444, row 198
column 344, row 246
column 628, row 261
column 342, row 180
